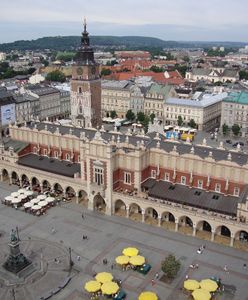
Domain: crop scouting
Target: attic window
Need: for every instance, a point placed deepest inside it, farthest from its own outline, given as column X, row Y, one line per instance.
column 215, row 197
column 197, row 193
column 171, row 187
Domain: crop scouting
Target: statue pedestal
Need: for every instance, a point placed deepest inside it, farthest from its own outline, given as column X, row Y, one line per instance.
column 16, row 260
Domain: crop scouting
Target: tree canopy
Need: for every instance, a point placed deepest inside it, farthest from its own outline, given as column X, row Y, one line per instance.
column 236, row 129
column 56, row 75
column 170, row 266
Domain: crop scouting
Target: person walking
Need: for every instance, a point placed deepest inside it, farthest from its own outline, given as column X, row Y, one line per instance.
column 83, row 216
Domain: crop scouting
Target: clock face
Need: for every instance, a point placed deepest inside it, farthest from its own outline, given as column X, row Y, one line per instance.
column 79, row 71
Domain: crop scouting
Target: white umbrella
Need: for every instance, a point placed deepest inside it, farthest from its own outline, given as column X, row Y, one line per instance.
column 28, row 193
column 36, row 207
column 42, row 197
column 43, row 203
column 22, row 197
column 22, row 191
column 15, row 194
column 35, row 201
column 28, row 204
column 50, row 199
column 16, row 200
column 9, row 198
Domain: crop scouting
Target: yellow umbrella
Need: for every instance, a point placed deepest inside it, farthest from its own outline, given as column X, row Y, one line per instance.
column 104, row 277
column 110, row 288
column 148, row 296
column 130, row 251
column 92, row 286
column 191, row 284
column 122, row 260
column 137, row 260
column 201, row 294
column 209, row 285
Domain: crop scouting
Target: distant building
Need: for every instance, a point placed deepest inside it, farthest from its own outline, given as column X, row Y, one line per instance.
column 205, row 110
column 234, row 110
column 212, row 75
column 7, row 108
column 37, row 78
column 26, row 106
column 2, row 56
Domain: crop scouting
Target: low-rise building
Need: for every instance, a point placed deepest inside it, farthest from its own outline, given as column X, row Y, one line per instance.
column 26, row 107
column 205, row 110
column 212, row 75
column 234, row 110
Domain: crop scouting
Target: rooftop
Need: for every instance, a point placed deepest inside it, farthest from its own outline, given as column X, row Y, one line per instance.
column 184, row 195
column 237, row 97
column 56, row 166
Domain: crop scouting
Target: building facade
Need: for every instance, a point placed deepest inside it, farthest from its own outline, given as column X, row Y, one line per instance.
column 85, row 86
column 205, row 111
column 234, row 110
column 196, row 190
column 212, row 75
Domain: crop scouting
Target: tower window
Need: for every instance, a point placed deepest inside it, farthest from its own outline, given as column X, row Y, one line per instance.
column 80, row 90
column 127, row 178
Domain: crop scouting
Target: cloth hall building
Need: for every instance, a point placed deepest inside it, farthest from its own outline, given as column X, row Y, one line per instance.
column 196, row 189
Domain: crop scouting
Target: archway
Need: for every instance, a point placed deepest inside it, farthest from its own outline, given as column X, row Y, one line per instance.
column 70, row 193
column 120, row 208
column 15, row 178
column 185, row 225
column 241, row 240
column 168, row 221
column 83, row 198
column 35, row 184
column 46, row 186
column 135, row 212
column 58, row 190
column 99, row 203
column 203, row 230
column 223, row 235
column 151, row 216
column 5, row 175
column 25, row 181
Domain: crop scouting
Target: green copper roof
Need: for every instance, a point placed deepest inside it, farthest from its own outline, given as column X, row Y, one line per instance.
column 160, row 89
column 235, row 97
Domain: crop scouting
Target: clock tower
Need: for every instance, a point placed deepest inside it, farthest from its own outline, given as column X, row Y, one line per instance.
column 85, row 86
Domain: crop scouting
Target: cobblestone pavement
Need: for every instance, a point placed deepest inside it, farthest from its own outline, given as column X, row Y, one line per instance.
column 107, row 236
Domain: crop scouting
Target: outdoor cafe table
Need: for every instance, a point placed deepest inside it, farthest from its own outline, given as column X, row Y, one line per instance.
column 28, row 193
column 8, row 198
column 16, row 201
column 42, row 197
column 50, row 199
column 28, row 204
column 22, row 191
column 43, row 203
column 22, row 197
column 35, row 201
column 36, row 207
column 15, row 194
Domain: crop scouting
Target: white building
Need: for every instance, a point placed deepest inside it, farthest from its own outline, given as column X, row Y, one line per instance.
column 37, row 78
column 205, row 110
column 2, row 56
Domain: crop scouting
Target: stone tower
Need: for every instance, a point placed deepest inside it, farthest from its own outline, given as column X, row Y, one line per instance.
column 85, row 86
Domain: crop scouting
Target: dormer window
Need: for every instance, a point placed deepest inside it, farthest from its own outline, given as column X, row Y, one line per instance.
column 217, row 187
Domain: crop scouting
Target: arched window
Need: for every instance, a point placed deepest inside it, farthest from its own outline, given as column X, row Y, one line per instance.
column 35, row 150
column 183, row 180
column 45, row 152
column 67, row 156
column 80, row 90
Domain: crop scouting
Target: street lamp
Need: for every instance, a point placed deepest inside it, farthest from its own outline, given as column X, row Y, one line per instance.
column 70, row 259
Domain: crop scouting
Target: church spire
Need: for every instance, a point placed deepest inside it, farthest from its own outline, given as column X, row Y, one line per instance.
column 85, row 41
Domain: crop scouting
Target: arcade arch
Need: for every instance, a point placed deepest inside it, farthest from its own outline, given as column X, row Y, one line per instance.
column 99, row 203
column 135, row 212
column 120, row 208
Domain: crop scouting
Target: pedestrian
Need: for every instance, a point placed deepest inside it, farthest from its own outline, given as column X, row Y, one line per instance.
column 226, row 269
column 53, row 230
column 244, row 266
column 112, row 267
column 186, row 276
column 156, row 275
column 153, row 282
column 78, row 258
column 83, row 216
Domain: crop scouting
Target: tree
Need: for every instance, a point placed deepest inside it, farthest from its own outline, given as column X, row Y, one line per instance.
column 236, row 129
column 105, row 72
column 152, row 117
column 225, row 129
column 56, row 76
column 113, row 114
column 130, row 115
column 243, row 75
column 140, row 117
column 192, row 123
column 179, row 121
column 145, row 123
column 156, row 69
column 170, row 266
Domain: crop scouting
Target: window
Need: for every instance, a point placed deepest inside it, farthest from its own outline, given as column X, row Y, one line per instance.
column 183, row 180
column 167, row 176
column 80, row 90
column 78, row 158
column 45, row 152
column 98, row 175
column 200, row 184
column 127, row 178
column 236, row 191
column 153, row 173
column 217, row 187
column 67, row 156
column 56, row 155
column 35, row 150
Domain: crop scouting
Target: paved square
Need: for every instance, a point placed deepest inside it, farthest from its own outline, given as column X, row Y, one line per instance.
column 107, row 236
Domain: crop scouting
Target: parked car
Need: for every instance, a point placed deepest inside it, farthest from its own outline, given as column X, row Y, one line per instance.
column 120, row 295
column 144, row 269
column 229, row 141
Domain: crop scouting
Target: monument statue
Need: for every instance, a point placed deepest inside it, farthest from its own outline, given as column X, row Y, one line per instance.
column 13, row 236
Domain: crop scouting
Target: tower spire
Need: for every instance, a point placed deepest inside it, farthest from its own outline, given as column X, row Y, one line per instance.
column 85, row 25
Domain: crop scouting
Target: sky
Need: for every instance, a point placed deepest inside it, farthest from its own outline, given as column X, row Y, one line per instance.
column 179, row 20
